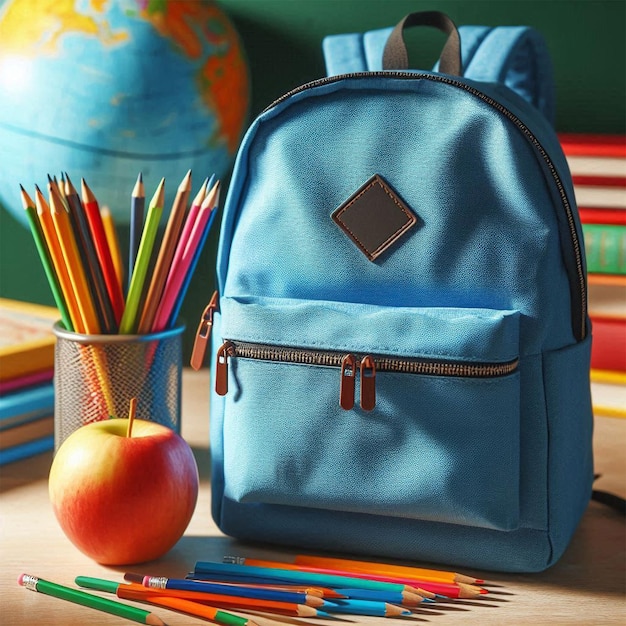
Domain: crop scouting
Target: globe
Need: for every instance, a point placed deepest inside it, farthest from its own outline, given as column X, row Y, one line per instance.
column 106, row 89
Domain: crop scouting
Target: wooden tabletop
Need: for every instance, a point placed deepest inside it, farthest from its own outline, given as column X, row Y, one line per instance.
column 587, row 586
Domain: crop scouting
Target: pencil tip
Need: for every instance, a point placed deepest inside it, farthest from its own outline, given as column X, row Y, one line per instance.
column 185, row 185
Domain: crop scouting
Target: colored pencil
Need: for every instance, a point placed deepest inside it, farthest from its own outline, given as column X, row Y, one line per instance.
column 87, row 251
column 365, row 607
column 187, row 229
column 103, row 251
column 67, row 242
column 166, row 253
column 402, row 598
column 33, row 583
column 248, row 573
column 46, row 259
column 129, row 322
column 176, row 278
column 161, row 582
column 56, row 254
column 223, row 601
column 320, row 592
column 383, row 568
column 136, row 591
column 137, row 205
column 450, row 590
column 114, row 244
column 194, row 262
column 190, row 220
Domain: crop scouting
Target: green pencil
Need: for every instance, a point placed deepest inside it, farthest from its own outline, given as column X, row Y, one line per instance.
column 199, row 609
column 129, row 321
column 46, row 260
column 86, row 599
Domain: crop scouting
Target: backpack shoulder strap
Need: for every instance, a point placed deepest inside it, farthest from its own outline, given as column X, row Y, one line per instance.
column 515, row 56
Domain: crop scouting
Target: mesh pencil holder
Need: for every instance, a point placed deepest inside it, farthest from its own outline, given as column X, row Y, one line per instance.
column 95, row 377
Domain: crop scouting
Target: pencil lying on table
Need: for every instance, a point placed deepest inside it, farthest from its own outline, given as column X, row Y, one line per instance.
column 295, row 597
column 245, row 573
column 136, row 591
column 421, row 587
column 86, row 599
column 405, row 571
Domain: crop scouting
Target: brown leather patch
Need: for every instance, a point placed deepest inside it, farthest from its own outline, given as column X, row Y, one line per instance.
column 374, row 217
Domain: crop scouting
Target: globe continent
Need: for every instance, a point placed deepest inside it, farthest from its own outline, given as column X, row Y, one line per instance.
column 104, row 90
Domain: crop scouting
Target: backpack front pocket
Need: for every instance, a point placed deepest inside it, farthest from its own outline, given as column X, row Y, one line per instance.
column 435, row 409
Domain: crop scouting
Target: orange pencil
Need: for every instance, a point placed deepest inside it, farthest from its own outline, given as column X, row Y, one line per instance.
column 166, row 254
column 195, row 609
column 421, row 587
column 232, row 602
column 384, row 568
column 103, row 251
column 67, row 241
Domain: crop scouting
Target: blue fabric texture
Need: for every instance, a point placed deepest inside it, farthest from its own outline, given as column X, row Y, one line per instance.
column 491, row 472
column 515, row 56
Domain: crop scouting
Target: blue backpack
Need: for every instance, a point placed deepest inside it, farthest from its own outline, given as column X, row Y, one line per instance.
column 401, row 346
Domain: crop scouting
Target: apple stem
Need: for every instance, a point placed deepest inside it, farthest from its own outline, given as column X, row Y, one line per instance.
column 131, row 416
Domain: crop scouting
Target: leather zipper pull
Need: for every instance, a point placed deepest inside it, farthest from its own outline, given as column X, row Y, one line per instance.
column 347, row 385
column 368, row 383
column 221, row 368
column 203, row 334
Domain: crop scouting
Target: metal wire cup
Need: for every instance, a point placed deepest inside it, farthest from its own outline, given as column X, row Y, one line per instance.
column 95, row 377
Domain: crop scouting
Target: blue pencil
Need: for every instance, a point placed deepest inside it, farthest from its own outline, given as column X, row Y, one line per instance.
column 404, row 598
column 249, row 573
column 241, row 591
column 365, row 607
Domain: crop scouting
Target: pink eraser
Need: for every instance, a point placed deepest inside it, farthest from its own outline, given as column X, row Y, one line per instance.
column 20, row 579
column 146, row 581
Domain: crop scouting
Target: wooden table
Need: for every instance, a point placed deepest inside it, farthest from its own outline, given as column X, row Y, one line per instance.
column 586, row 587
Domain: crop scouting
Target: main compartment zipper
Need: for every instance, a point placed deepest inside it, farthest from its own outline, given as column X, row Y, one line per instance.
column 349, row 364
column 578, row 283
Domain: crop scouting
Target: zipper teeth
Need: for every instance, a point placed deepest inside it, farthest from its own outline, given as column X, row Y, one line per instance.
column 513, row 118
column 382, row 363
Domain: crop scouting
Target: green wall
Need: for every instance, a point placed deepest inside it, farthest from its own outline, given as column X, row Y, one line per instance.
column 586, row 38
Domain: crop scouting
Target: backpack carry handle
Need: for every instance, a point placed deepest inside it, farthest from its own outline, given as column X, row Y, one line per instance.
column 395, row 55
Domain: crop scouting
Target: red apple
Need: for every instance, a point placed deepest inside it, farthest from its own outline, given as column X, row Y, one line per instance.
column 123, row 499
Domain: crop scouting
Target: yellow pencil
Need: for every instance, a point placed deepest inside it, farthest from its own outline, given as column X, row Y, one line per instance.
column 114, row 244
column 49, row 232
column 67, row 241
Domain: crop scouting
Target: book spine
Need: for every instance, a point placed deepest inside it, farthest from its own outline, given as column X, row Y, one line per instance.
column 25, row 450
column 608, row 349
column 591, row 215
column 605, row 246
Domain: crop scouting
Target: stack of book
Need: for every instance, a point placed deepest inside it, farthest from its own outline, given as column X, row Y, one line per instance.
column 26, row 379
column 598, row 166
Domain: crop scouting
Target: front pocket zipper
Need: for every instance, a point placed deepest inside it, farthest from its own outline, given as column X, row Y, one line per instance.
column 348, row 364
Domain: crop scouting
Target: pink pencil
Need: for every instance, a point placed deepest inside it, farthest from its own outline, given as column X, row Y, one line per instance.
column 179, row 271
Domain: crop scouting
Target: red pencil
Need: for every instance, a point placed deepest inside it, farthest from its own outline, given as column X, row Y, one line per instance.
column 98, row 233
